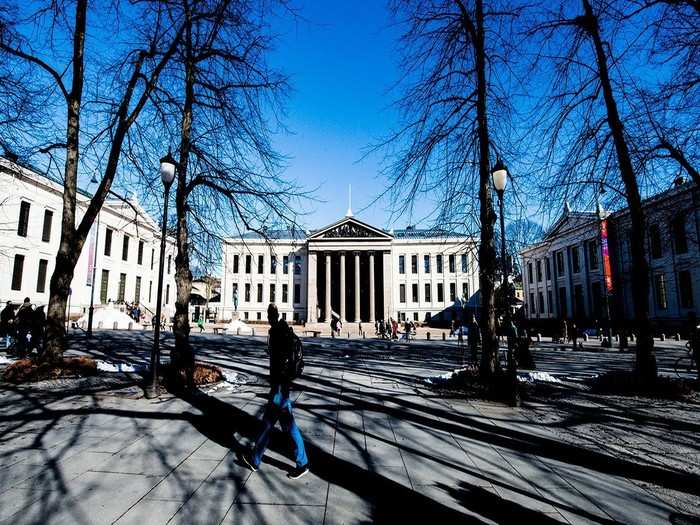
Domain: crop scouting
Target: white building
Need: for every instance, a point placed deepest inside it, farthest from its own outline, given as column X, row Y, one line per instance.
column 352, row 269
column 127, row 246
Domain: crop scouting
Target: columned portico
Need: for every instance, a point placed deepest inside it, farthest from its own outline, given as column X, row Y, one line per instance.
column 343, row 315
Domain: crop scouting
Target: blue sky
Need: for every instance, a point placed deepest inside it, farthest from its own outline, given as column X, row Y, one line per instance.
column 341, row 60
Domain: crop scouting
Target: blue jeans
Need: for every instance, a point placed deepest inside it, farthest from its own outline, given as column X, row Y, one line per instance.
column 280, row 407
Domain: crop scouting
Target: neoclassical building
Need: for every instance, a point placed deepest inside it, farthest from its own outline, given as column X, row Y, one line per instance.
column 352, row 270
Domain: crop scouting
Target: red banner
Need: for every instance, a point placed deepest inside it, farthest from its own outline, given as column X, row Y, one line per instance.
column 606, row 256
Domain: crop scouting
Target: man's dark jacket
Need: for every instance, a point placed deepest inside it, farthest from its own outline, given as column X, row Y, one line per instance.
column 281, row 352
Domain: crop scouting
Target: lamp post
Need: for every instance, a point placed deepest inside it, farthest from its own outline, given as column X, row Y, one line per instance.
column 499, row 175
column 167, row 175
column 91, row 310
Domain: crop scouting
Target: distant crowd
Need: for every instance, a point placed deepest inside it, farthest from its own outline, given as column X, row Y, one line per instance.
column 23, row 327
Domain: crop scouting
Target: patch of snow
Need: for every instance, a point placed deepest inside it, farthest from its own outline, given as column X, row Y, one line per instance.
column 108, row 318
column 4, row 360
column 235, row 378
column 238, row 327
column 543, row 377
column 107, row 366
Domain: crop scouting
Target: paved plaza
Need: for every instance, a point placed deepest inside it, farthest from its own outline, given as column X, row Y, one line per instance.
column 383, row 447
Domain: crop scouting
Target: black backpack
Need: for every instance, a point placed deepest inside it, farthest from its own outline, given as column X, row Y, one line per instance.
column 294, row 364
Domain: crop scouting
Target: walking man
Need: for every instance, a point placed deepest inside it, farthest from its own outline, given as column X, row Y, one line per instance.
column 283, row 370
column 25, row 318
column 7, row 320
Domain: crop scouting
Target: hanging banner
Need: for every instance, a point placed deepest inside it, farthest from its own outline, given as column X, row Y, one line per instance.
column 91, row 257
column 607, row 271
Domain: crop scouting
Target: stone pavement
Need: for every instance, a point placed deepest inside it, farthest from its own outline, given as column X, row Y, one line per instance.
column 383, row 448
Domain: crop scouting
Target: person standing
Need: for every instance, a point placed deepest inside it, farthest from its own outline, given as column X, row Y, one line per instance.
column 7, row 321
column 38, row 326
column 283, row 370
column 473, row 337
column 25, row 318
column 574, row 335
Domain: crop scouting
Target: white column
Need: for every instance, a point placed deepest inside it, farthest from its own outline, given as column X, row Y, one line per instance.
column 342, row 286
column 357, row 287
column 327, row 312
column 312, row 297
column 388, row 285
column 371, row 287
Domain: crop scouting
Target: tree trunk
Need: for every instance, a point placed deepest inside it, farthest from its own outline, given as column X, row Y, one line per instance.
column 645, row 365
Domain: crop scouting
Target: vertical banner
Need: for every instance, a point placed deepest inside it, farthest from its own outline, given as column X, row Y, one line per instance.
column 606, row 256
column 91, row 257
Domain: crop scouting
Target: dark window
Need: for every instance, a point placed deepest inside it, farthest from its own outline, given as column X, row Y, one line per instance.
column 272, row 293
column 248, row 263
column 549, row 301
column 402, row 264
column 414, row 264
column 23, row 223
column 427, row 292
column 153, row 256
column 593, row 255
column 655, row 246
column 285, row 293
column 104, row 286
column 414, row 292
column 465, row 291
column 258, row 315
column 122, row 287
column 680, row 241
column 596, row 299
column 125, row 250
column 235, row 263
column 402, row 293
column 246, row 296
column 451, row 263
column 547, row 269
column 137, row 290
column 560, row 264
column 426, row 263
column 297, row 265
column 261, row 263
column 579, row 309
column 438, row 263
column 167, row 293
column 453, row 291
column 170, row 260
column 46, row 231
column 660, row 291
column 529, row 272
column 273, row 265
column 685, row 284
column 108, row 242
column 150, row 290
column 41, row 276
column 539, row 271
column 139, row 255
column 17, row 270
column 574, row 259
column 540, row 299
column 562, row 302
column 465, row 267
column 297, row 293
column 440, row 293
column 533, row 307
column 260, row 293
column 285, row 264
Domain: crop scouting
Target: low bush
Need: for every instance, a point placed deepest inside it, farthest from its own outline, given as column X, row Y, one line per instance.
column 29, row 370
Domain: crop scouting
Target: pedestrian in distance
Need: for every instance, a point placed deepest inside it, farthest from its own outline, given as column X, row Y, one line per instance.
column 286, row 365
column 574, row 335
column 38, row 327
column 7, row 323
column 200, row 324
column 24, row 319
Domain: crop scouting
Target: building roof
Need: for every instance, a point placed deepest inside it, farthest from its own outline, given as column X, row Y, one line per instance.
column 431, row 233
column 293, row 234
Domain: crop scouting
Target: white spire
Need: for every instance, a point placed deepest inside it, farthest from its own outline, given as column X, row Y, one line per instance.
column 349, row 212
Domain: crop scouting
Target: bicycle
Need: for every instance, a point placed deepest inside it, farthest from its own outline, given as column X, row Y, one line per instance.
column 685, row 364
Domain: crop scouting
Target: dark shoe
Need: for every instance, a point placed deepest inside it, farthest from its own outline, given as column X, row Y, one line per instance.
column 248, row 462
column 298, row 472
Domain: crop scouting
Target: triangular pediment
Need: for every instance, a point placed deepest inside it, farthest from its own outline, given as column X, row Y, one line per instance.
column 569, row 221
column 350, row 228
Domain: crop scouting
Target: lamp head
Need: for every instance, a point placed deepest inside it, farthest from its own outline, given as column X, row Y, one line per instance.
column 499, row 175
column 167, row 168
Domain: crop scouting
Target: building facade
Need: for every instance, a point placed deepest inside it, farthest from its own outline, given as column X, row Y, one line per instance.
column 582, row 268
column 351, row 270
column 122, row 249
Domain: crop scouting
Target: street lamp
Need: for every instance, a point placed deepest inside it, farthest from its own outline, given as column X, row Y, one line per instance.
column 499, row 175
column 168, row 167
column 91, row 310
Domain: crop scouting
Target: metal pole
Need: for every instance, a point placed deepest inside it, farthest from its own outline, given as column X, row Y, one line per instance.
column 153, row 389
column 94, row 273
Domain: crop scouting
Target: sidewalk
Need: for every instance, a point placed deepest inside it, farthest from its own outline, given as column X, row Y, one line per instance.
column 382, row 450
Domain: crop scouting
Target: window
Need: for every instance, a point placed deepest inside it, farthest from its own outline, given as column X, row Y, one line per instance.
column 402, row 293
column 655, row 242
column 427, row 292
column 108, row 242
column 285, row 264
column 540, row 301
column 153, row 257
column 248, row 262
column 685, row 285
column 438, row 263
column 453, row 292
column 46, row 231
column 547, row 270
column 297, row 265
column 261, row 263
column 562, row 302
column 415, row 316
column 596, row 299
column 235, row 263
column 41, row 276
column 246, row 296
column 533, row 306
column 529, row 272
column 579, row 308
column 426, row 263
column 539, row 271
column 440, row 293
column 170, row 260
column 245, row 315
column 465, row 267
column 150, row 290
column 465, row 291
column 139, row 255
column 137, row 290
column 549, row 301
column 273, row 265
column 104, row 286
column 272, row 293
column 414, row 292
column 17, row 270
column 560, row 264
column 680, row 242
column 575, row 265
column 260, row 292
column 258, row 315
column 23, row 222
column 297, row 293
column 125, row 250
column 402, row 264
column 451, row 263
column 414, row 264
column 167, row 293
column 285, row 293
column 593, row 255
column 122, row 288
column 660, row 291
